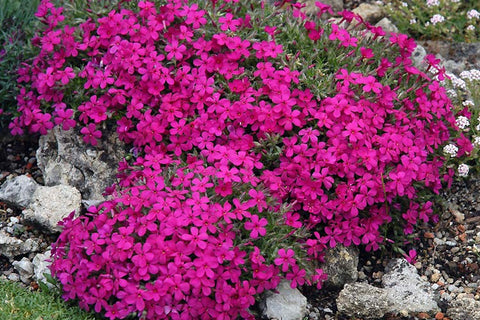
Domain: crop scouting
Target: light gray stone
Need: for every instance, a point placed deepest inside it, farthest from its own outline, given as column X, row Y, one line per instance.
column 464, row 309
column 64, row 158
column 18, row 190
column 341, row 266
column 387, row 25
column 287, row 304
column 371, row 13
column 310, row 9
column 418, row 56
column 403, row 292
column 407, row 290
column 50, row 205
column 363, row 300
column 11, row 247
column 40, row 265
column 25, row 269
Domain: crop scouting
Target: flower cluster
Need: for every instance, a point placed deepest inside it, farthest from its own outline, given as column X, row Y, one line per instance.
column 464, row 90
column 437, row 19
column 252, row 155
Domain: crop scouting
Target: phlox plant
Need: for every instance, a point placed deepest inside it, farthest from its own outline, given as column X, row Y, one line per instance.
column 261, row 138
column 464, row 91
column 448, row 20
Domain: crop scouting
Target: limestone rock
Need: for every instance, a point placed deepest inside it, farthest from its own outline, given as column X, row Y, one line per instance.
column 407, row 290
column 40, row 265
column 64, row 158
column 287, row 304
column 11, row 247
column 25, row 269
column 50, row 205
column 387, row 25
column 404, row 292
column 363, row 300
column 464, row 309
column 371, row 13
column 341, row 266
column 18, row 190
column 336, row 5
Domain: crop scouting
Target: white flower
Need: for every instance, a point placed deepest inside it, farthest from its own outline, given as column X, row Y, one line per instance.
column 452, row 93
column 471, row 75
column 463, row 170
column 455, row 1
column 471, row 28
column 476, row 142
column 462, row 122
column 433, row 3
column 437, row 18
column 413, row 21
column 404, row 4
column 473, row 14
column 467, row 103
column 451, row 150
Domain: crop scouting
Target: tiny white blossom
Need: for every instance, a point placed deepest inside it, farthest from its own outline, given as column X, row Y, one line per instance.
column 476, row 142
column 413, row 21
column 427, row 24
column 468, row 103
column 463, row 170
column 473, row 14
column 455, row 1
column 451, row 150
column 433, row 3
column 437, row 18
column 462, row 122
column 452, row 93
column 471, row 28
column 404, row 4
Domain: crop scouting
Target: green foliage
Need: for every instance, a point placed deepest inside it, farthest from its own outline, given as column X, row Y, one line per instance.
column 18, row 303
column 417, row 18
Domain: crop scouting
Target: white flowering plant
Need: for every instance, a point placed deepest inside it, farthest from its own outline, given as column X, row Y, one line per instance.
column 450, row 20
column 464, row 91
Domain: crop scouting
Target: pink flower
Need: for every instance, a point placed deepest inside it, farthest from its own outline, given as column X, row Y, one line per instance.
column 91, row 134
column 256, row 226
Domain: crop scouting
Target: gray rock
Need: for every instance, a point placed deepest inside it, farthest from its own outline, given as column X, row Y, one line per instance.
column 387, row 25
column 464, row 309
column 50, row 205
column 18, row 190
column 40, row 265
column 25, row 269
column 363, row 300
column 13, row 277
column 64, row 158
column 457, row 56
column 287, row 304
column 11, row 247
column 404, row 292
column 371, row 13
column 407, row 290
column 337, row 5
column 341, row 266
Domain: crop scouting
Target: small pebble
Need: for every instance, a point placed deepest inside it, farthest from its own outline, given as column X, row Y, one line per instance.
column 435, row 277
column 446, row 296
column 455, row 250
column 451, row 243
column 452, row 288
column 14, row 277
column 435, row 286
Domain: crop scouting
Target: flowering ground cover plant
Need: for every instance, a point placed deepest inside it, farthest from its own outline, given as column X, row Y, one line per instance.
column 261, row 137
column 464, row 91
column 16, row 24
column 437, row 19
